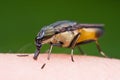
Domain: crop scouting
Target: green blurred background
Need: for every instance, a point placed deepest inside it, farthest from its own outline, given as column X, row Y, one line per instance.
column 21, row 20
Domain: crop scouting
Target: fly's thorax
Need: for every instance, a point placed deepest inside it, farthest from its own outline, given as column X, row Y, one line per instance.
column 63, row 39
column 45, row 41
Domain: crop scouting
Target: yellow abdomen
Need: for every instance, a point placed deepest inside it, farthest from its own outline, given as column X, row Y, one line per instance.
column 87, row 34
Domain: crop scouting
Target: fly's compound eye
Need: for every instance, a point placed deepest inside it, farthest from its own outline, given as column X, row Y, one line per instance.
column 40, row 35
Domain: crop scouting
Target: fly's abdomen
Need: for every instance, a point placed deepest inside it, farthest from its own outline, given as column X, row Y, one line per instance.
column 99, row 32
column 89, row 34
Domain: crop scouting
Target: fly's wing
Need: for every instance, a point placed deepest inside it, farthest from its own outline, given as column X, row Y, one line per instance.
column 78, row 26
column 62, row 26
column 58, row 27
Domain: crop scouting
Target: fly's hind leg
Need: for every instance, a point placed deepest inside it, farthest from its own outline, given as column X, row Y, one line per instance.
column 81, row 51
column 99, row 49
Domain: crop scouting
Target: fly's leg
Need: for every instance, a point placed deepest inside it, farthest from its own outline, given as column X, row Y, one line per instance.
column 49, row 52
column 72, row 55
column 73, row 44
column 48, row 58
column 82, row 52
column 51, row 46
column 99, row 49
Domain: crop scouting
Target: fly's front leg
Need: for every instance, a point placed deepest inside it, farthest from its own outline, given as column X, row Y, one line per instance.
column 49, row 52
column 51, row 46
column 99, row 49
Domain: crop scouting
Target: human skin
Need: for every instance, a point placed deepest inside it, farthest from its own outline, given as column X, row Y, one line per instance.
column 59, row 67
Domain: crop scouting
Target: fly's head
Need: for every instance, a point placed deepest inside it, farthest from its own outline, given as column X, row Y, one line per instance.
column 38, row 43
